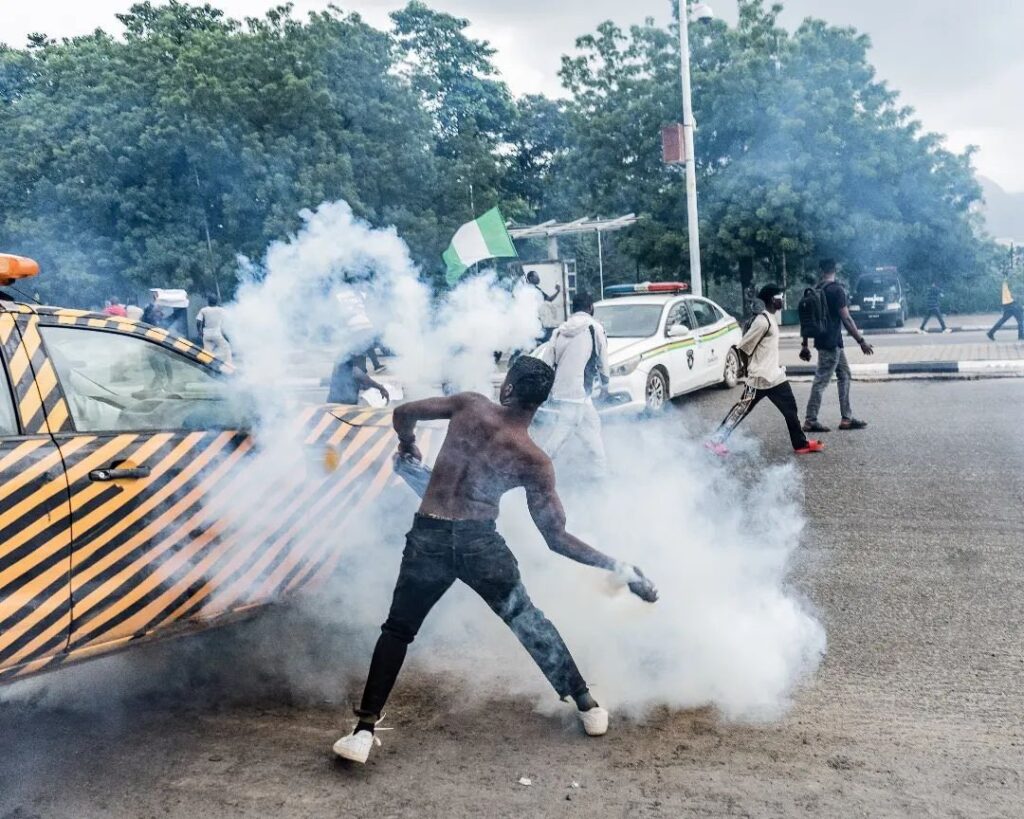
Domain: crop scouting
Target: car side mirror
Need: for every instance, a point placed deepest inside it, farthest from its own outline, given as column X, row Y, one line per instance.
column 679, row 331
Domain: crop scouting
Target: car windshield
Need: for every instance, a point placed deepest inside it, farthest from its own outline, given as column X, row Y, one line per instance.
column 875, row 284
column 629, row 320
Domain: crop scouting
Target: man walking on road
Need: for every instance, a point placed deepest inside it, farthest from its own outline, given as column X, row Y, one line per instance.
column 486, row 453
column 765, row 378
column 1011, row 310
column 578, row 353
column 934, row 307
column 831, row 355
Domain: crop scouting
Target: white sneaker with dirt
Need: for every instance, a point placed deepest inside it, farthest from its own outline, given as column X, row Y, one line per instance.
column 595, row 721
column 356, row 747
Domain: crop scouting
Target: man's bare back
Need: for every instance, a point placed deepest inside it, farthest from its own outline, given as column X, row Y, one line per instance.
column 483, row 457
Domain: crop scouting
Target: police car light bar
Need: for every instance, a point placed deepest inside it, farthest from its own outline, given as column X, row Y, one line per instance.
column 645, row 288
column 16, row 267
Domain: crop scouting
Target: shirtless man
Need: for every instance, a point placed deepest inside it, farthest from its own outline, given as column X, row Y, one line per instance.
column 486, row 453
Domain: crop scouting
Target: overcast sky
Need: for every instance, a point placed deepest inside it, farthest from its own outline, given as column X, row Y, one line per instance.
column 958, row 62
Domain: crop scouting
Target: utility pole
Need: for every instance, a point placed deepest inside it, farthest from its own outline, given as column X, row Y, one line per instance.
column 696, row 280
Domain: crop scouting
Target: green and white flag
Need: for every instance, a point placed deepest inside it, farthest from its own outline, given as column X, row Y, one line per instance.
column 483, row 238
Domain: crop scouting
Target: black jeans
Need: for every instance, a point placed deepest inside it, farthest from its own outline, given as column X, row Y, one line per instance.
column 781, row 395
column 1010, row 311
column 437, row 553
column 934, row 311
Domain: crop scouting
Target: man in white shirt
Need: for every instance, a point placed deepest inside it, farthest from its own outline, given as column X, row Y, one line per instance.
column 548, row 309
column 765, row 378
column 578, row 352
column 210, row 324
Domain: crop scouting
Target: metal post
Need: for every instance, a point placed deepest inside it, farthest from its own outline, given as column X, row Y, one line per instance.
column 600, row 262
column 552, row 247
column 696, row 281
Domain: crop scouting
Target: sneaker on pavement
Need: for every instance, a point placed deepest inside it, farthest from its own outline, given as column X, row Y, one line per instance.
column 812, row 446
column 852, row 423
column 595, row 721
column 814, row 426
column 721, row 450
column 991, row 336
column 356, row 747
column 948, row 330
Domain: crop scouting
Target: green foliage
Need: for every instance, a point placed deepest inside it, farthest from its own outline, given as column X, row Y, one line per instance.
column 801, row 153
column 156, row 158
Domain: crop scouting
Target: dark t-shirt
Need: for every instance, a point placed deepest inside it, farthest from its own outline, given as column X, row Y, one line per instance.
column 835, row 296
column 344, row 385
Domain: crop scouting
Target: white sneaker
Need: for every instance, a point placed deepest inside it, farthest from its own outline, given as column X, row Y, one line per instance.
column 595, row 721
column 356, row 747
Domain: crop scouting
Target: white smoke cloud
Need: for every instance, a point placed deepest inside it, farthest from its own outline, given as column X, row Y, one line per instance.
column 727, row 632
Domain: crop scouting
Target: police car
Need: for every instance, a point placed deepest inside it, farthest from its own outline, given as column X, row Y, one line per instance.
column 135, row 500
column 663, row 343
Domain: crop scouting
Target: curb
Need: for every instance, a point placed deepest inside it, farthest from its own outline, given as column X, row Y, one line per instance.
column 975, row 369
column 906, row 331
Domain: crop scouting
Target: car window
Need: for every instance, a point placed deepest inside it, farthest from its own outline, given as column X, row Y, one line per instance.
column 119, row 383
column 704, row 313
column 678, row 315
column 629, row 320
column 8, row 420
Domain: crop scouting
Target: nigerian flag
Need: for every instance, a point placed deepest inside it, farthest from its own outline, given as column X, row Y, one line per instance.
column 483, row 238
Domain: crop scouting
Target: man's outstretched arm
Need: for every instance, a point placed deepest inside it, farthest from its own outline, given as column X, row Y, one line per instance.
column 549, row 516
column 405, row 417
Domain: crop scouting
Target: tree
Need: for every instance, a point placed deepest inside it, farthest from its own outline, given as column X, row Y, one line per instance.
column 801, row 153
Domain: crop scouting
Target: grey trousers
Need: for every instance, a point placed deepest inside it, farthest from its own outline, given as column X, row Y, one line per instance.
column 830, row 362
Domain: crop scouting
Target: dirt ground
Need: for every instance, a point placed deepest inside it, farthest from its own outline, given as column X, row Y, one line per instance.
column 914, row 561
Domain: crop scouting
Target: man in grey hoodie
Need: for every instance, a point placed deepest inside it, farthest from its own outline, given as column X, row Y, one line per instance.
column 578, row 352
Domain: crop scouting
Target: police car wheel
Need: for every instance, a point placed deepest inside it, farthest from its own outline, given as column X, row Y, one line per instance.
column 656, row 392
column 731, row 375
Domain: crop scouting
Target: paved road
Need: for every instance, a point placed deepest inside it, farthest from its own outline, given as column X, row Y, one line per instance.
column 914, row 559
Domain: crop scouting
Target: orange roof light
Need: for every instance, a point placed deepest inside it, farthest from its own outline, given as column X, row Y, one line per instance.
column 17, row 267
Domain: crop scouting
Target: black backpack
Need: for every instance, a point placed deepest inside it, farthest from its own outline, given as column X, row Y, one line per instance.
column 813, row 310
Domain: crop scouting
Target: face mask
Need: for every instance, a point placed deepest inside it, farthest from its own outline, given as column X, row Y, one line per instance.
column 779, row 302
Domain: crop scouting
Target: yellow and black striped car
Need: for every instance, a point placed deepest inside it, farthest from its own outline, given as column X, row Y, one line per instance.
column 122, row 462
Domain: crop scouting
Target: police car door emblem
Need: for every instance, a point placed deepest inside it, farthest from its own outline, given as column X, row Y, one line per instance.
column 689, row 359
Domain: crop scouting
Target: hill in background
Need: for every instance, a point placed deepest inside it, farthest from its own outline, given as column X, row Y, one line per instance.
column 1003, row 211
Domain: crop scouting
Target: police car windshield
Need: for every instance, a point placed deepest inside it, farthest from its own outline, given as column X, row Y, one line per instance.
column 875, row 284
column 629, row 320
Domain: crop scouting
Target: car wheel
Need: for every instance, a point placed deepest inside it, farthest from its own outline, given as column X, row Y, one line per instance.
column 901, row 319
column 731, row 375
column 656, row 393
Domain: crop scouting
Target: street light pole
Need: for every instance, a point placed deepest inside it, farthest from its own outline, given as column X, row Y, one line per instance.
column 696, row 280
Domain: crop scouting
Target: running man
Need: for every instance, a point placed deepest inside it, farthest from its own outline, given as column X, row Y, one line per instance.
column 487, row 452
column 765, row 378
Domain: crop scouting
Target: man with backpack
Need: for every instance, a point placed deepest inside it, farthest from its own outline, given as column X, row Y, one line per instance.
column 824, row 311
column 578, row 353
column 765, row 378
